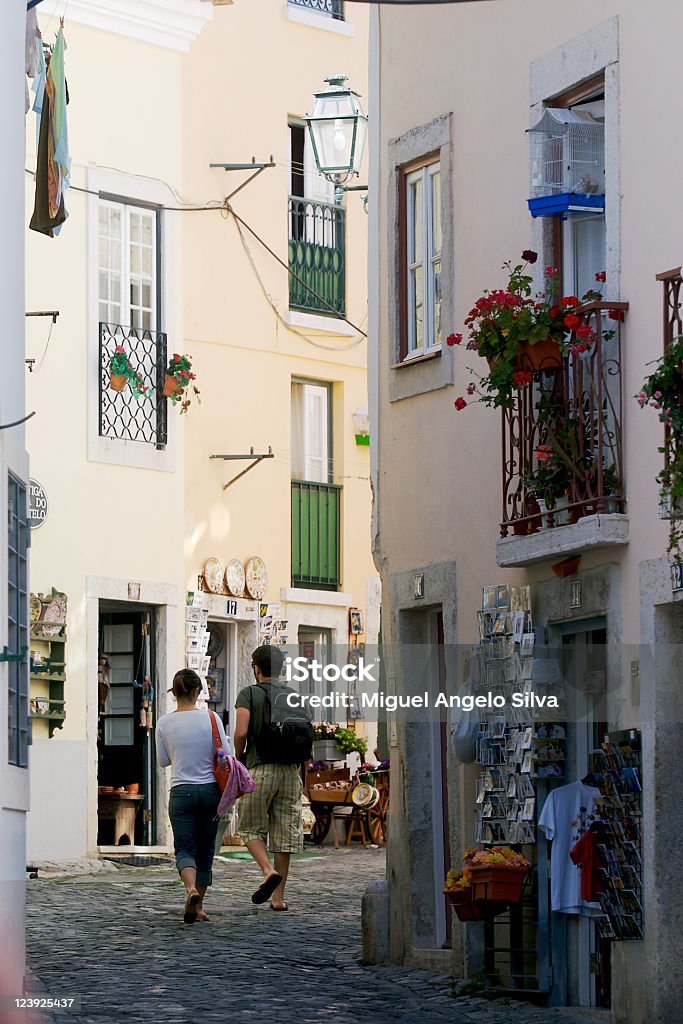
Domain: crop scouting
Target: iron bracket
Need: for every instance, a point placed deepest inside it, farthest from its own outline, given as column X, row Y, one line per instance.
column 253, row 166
column 255, row 459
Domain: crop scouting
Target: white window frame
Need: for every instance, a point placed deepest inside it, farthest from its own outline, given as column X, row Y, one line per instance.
column 145, row 192
column 428, row 259
column 126, row 275
column 322, row 390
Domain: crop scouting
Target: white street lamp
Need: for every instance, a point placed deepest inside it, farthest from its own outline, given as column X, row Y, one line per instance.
column 338, row 129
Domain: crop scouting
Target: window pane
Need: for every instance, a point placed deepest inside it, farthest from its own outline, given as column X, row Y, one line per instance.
column 134, row 259
column 135, row 227
column 436, row 214
column 436, row 293
column 147, row 262
column 415, row 223
column 115, row 255
column 416, row 298
column 147, row 230
column 104, row 285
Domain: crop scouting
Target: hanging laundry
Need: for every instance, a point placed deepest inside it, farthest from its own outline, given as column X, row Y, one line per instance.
column 33, row 49
column 53, row 162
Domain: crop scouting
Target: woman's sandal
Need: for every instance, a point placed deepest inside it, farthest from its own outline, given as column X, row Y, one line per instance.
column 285, row 907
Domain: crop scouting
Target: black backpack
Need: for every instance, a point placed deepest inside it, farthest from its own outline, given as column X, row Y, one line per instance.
column 286, row 733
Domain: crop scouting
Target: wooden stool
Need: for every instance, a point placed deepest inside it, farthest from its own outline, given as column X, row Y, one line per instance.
column 357, row 827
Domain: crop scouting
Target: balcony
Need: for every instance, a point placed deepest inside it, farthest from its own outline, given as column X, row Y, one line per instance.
column 334, row 8
column 316, row 257
column 563, row 466
column 316, row 520
column 122, row 415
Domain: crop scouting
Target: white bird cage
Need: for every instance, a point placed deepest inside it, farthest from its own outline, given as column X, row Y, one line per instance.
column 567, row 154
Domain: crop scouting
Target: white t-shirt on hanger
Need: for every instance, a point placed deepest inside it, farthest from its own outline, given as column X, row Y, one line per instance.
column 564, row 816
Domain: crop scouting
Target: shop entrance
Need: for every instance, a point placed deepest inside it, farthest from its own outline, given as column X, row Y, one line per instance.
column 126, row 772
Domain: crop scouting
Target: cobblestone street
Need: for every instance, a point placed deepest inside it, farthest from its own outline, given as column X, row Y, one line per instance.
column 117, row 940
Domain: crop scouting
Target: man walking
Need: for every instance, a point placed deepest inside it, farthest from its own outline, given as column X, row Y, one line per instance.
column 278, row 738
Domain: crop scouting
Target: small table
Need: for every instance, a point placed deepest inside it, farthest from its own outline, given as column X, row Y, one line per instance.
column 122, row 808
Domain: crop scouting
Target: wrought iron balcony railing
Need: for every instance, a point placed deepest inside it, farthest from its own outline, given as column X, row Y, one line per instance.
column 335, row 8
column 316, row 531
column 562, row 439
column 316, row 257
column 122, row 415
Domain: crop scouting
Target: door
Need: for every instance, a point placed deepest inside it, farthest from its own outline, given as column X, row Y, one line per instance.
column 124, row 745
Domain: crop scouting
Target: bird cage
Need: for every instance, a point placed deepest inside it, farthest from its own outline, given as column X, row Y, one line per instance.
column 567, row 156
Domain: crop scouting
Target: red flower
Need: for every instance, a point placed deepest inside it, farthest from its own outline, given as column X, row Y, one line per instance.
column 551, row 271
column 570, row 300
column 460, row 403
column 119, row 348
column 470, row 389
column 584, row 331
column 615, row 314
column 572, row 321
column 601, row 276
column 176, row 357
column 554, row 311
column 454, row 339
column 529, row 256
column 522, row 377
column 544, row 452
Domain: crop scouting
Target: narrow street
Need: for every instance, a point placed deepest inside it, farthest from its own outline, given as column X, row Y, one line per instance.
column 117, row 941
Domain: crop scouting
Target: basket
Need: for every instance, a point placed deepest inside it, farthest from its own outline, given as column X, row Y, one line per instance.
column 495, row 883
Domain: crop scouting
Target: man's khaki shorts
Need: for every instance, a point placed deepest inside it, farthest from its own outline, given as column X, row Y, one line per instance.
column 274, row 809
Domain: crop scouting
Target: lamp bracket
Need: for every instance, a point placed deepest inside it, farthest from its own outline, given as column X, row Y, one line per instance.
column 253, row 166
column 255, row 459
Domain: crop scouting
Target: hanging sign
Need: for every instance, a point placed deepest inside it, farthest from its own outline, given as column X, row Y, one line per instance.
column 37, row 504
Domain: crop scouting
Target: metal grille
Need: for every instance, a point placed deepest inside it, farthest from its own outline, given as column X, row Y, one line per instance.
column 335, row 8
column 17, row 624
column 122, row 415
column 582, row 407
column 315, row 534
column 316, row 256
column 673, row 327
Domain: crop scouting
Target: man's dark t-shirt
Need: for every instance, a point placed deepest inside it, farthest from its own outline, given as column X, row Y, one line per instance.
column 255, row 707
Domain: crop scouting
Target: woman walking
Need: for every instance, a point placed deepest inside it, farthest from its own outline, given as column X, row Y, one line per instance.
column 185, row 741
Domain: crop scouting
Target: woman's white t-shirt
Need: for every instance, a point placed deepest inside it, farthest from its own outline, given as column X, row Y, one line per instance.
column 185, row 741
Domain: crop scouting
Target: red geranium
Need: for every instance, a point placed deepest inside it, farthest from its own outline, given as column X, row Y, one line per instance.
column 572, row 321
column 522, row 378
column 459, row 403
column 601, row 276
column 454, row 339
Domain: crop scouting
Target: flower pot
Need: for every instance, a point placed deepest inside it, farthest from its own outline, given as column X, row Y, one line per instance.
column 542, row 355
column 567, row 567
column 326, row 750
column 171, row 386
column 117, row 382
column 493, row 882
column 469, row 909
column 133, row 788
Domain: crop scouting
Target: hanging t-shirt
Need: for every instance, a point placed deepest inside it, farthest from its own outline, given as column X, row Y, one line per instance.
column 564, row 816
column 585, row 854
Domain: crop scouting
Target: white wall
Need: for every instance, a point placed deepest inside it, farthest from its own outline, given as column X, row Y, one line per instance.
column 13, row 781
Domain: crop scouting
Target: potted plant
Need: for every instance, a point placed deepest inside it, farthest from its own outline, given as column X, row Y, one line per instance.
column 178, row 382
column 519, row 333
column 489, row 882
column 662, row 390
column 325, row 747
column 348, row 742
column 121, row 373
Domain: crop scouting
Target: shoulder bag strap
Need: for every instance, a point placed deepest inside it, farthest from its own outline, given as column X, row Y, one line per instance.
column 214, row 729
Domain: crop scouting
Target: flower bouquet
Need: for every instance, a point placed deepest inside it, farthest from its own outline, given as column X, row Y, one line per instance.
column 663, row 392
column 179, row 383
column 519, row 333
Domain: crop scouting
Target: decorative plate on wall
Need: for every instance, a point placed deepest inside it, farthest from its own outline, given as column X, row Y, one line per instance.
column 234, row 577
column 55, row 612
column 256, row 578
column 213, row 575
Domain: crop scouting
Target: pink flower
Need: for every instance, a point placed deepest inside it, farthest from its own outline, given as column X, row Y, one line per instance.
column 119, row 348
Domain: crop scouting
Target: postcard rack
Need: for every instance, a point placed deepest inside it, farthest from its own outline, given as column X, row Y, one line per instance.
column 617, row 768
